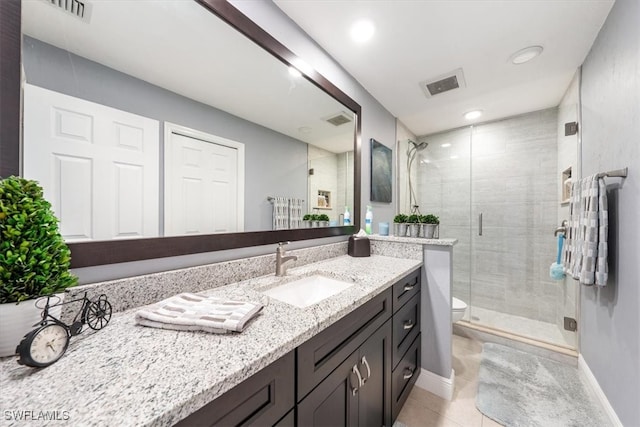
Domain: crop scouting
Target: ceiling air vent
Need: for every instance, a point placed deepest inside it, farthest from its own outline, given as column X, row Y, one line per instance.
column 443, row 83
column 81, row 9
column 339, row 118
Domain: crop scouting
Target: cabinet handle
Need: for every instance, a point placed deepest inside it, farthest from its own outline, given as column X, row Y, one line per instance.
column 354, row 390
column 480, row 225
column 408, row 287
column 408, row 373
column 366, row 365
column 408, row 324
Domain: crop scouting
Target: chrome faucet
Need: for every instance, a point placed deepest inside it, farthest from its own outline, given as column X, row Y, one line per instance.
column 562, row 229
column 281, row 259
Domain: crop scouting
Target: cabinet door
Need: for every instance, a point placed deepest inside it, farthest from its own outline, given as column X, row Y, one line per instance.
column 374, row 404
column 334, row 402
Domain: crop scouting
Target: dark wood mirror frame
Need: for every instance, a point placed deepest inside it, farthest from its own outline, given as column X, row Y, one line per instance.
column 87, row 254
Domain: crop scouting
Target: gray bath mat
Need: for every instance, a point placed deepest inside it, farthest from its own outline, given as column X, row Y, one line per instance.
column 520, row 389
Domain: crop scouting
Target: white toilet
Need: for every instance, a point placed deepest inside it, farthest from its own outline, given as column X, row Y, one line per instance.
column 458, row 309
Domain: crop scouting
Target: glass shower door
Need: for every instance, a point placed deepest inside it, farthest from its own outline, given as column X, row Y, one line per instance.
column 514, row 211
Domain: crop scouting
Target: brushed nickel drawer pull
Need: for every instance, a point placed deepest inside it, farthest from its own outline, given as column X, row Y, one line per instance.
column 408, row 373
column 366, row 364
column 408, row 287
column 354, row 390
column 408, row 324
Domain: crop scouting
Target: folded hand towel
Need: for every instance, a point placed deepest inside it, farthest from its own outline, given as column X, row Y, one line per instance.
column 192, row 312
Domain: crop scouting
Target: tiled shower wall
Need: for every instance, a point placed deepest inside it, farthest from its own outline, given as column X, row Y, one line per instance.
column 512, row 181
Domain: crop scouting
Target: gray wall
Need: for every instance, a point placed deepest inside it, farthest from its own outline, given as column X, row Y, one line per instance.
column 610, row 317
column 275, row 164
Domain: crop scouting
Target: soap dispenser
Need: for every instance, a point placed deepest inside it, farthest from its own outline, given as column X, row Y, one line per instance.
column 368, row 220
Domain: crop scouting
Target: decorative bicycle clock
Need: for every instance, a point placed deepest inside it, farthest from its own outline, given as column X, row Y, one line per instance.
column 48, row 342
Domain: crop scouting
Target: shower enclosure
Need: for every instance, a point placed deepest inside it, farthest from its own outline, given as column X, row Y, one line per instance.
column 497, row 189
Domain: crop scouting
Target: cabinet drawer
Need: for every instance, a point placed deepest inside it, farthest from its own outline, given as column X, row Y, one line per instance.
column 404, row 377
column 319, row 356
column 406, row 327
column 405, row 289
column 261, row 400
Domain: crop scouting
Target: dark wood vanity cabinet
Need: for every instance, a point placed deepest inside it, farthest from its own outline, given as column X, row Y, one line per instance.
column 357, row 392
column 357, row 372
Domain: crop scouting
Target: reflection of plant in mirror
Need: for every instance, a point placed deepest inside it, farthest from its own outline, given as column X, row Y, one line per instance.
column 413, row 219
column 34, row 260
column 307, row 217
column 431, row 219
column 323, row 217
column 400, row 219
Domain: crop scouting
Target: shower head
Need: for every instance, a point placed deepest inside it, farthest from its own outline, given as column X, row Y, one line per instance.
column 418, row 146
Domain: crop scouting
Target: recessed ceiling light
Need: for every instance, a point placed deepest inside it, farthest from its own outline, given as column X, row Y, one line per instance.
column 470, row 115
column 362, row 31
column 445, row 145
column 525, row 55
column 304, row 129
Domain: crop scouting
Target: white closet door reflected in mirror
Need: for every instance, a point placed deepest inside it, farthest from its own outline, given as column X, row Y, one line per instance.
column 203, row 176
column 98, row 165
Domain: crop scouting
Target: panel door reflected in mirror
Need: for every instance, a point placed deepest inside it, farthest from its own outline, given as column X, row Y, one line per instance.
column 221, row 84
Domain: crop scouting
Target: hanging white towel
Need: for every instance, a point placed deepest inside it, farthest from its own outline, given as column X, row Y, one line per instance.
column 280, row 213
column 586, row 258
column 295, row 213
column 570, row 250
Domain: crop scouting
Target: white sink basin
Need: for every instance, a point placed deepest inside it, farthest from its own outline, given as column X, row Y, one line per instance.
column 307, row 291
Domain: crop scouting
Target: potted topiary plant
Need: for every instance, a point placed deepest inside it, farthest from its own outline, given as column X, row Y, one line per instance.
column 400, row 225
column 414, row 225
column 430, row 226
column 34, row 260
column 323, row 220
column 306, row 220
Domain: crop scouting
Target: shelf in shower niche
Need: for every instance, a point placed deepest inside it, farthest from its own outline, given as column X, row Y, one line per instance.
column 323, row 208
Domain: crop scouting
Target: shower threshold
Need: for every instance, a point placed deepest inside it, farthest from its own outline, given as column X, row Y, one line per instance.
column 461, row 327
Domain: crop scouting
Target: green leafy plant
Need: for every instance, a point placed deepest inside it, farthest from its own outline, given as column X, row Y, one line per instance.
column 323, row 217
column 431, row 219
column 307, row 217
column 413, row 219
column 400, row 218
column 34, row 260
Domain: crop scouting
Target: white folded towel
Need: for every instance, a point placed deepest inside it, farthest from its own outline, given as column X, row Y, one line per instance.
column 192, row 312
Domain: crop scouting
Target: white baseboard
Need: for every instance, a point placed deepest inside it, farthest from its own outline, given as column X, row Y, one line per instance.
column 440, row 386
column 593, row 383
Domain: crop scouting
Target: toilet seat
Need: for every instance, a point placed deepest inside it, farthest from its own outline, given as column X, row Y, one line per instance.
column 458, row 305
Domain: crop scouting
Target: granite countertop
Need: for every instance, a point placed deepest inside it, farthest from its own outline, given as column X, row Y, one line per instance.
column 416, row 240
column 127, row 375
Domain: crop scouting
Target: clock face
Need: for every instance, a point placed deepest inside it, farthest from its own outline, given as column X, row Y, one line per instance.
column 48, row 344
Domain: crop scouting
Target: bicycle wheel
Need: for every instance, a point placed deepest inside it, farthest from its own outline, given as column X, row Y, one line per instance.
column 98, row 314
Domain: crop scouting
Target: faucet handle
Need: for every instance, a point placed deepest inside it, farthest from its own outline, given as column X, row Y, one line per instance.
column 283, row 243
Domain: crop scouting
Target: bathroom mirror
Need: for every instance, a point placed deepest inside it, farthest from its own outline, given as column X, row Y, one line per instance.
column 207, row 81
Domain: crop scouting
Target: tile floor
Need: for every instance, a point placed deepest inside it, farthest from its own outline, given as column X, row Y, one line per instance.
column 424, row 409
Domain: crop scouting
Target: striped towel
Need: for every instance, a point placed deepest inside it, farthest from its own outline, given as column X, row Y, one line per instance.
column 280, row 213
column 295, row 212
column 586, row 259
column 192, row 312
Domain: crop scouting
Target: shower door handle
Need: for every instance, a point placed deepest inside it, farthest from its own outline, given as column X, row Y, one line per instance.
column 480, row 225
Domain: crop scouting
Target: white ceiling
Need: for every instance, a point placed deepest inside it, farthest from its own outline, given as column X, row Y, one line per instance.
column 180, row 46
column 417, row 40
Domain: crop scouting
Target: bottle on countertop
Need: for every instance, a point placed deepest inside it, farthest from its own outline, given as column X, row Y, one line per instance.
column 347, row 216
column 368, row 220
